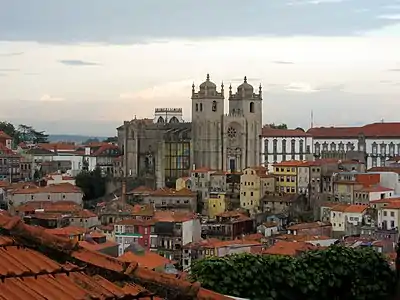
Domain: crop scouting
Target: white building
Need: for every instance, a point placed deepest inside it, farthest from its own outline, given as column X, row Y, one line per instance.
column 389, row 216
column 379, row 141
column 285, row 144
column 343, row 215
column 168, row 115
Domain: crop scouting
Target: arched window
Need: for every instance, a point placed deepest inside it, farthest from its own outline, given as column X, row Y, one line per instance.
column 197, row 107
column 160, row 120
column 174, row 120
column 214, row 106
column 252, row 107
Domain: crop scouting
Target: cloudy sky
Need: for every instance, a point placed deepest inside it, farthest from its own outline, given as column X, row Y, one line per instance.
column 85, row 66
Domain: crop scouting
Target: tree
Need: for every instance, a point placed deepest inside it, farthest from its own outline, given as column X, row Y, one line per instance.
column 91, row 141
column 29, row 134
column 335, row 273
column 9, row 129
column 111, row 139
column 92, row 183
column 277, row 126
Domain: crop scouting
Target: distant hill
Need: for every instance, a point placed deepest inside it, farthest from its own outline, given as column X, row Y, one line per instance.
column 73, row 138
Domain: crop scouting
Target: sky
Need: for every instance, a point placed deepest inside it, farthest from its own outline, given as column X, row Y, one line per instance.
column 83, row 67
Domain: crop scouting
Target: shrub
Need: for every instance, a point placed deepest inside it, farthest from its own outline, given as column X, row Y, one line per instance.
column 334, row 273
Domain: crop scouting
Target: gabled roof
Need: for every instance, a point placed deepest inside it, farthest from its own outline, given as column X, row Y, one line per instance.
column 28, row 274
column 4, row 135
column 374, row 130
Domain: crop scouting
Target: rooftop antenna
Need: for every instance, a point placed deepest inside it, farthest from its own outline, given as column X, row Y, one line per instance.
column 312, row 119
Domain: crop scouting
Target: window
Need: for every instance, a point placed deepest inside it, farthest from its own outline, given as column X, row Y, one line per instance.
column 252, row 107
column 197, row 107
column 251, row 193
column 341, row 146
column 301, row 149
column 317, row 148
column 391, row 224
column 383, row 149
column 349, row 146
column 374, row 162
column 275, row 149
column 283, row 146
column 161, row 119
column 293, row 148
column 333, row 146
column 325, row 146
column 391, row 149
column 201, row 106
column 214, row 106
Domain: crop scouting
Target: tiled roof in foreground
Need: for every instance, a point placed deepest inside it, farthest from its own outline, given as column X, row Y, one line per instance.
column 35, row 264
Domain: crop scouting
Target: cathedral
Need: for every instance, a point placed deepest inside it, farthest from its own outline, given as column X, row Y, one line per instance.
column 165, row 148
column 226, row 141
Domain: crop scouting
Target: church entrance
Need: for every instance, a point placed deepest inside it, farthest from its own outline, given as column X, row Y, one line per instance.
column 232, row 164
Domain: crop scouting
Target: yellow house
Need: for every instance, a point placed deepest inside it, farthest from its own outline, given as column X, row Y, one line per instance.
column 217, row 204
column 254, row 184
column 183, row 183
column 286, row 176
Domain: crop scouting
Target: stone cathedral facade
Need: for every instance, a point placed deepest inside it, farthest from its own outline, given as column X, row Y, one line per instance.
column 226, row 141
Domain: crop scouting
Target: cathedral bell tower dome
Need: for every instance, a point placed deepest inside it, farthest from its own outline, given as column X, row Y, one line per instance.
column 245, row 89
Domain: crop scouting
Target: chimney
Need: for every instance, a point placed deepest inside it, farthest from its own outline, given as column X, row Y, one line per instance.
column 123, row 191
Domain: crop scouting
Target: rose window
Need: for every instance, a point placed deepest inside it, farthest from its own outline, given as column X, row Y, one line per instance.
column 232, row 133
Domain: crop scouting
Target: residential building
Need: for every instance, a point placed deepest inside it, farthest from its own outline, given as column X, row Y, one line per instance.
column 287, row 248
column 268, row 229
column 183, row 183
column 377, row 141
column 75, row 234
column 97, row 241
column 278, row 203
column 83, row 218
column 175, row 229
column 347, row 219
column 135, row 231
column 200, row 184
column 370, row 193
column 171, row 199
column 215, row 248
column 47, row 220
column 389, row 216
column 149, row 260
column 9, row 164
column 286, row 176
column 57, row 178
column 56, row 192
column 219, row 181
column 217, row 204
column 312, row 228
column 228, row 226
column 254, row 184
column 94, row 277
column 280, row 145
column 5, row 140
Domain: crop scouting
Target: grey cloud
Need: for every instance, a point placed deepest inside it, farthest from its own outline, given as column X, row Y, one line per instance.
column 394, row 70
column 75, row 62
column 11, row 54
column 127, row 21
column 282, row 62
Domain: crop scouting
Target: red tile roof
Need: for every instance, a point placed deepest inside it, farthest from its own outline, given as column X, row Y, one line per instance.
column 28, row 274
column 385, row 169
column 50, row 189
column 310, row 225
column 288, row 248
column 4, row 135
column 374, row 130
column 284, row 133
column 392, row 205
column 166, row 192
column 171, row 216
column 148, row 259
column 350, row 208
column 375, row 189
column 97, row 246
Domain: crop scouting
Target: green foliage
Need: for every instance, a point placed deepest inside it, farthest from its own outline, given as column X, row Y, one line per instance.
column 23, row 133
column 277, row 126
column 92, row 183
column 335, row 273
column 111, row 139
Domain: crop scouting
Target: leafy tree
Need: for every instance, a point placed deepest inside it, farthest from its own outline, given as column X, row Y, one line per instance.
column 92, row 183
column 29, row 134
column 111, row 139
column 90, row 141
column 337, row 273
column 9, row 129
column 277, row 126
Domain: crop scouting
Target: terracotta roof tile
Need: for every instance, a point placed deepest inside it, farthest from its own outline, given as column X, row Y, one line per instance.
column 166, row 192
column 349, row 208
column 385, row 169
column 375, row 189
column 171, row 216
column 392, row 205
column 53, row 188
column 387, row 200
column 67, row 231
column 42, row 278
column 301, row 238
column 272, row 132
column 148, row 259
column 288, row 248
column 310, row 225
column 380, row 130
column 4, row 135
column 141, row 190
column 97, row 246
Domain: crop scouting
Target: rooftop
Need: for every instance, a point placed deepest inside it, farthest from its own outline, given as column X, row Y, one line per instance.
column 350, row 208
column 291, row 248
column 284, row 133
column 29, row 274
column 148, row 259
column 310, row 225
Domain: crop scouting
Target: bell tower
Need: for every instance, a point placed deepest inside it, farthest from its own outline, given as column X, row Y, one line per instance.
column 207, row 113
